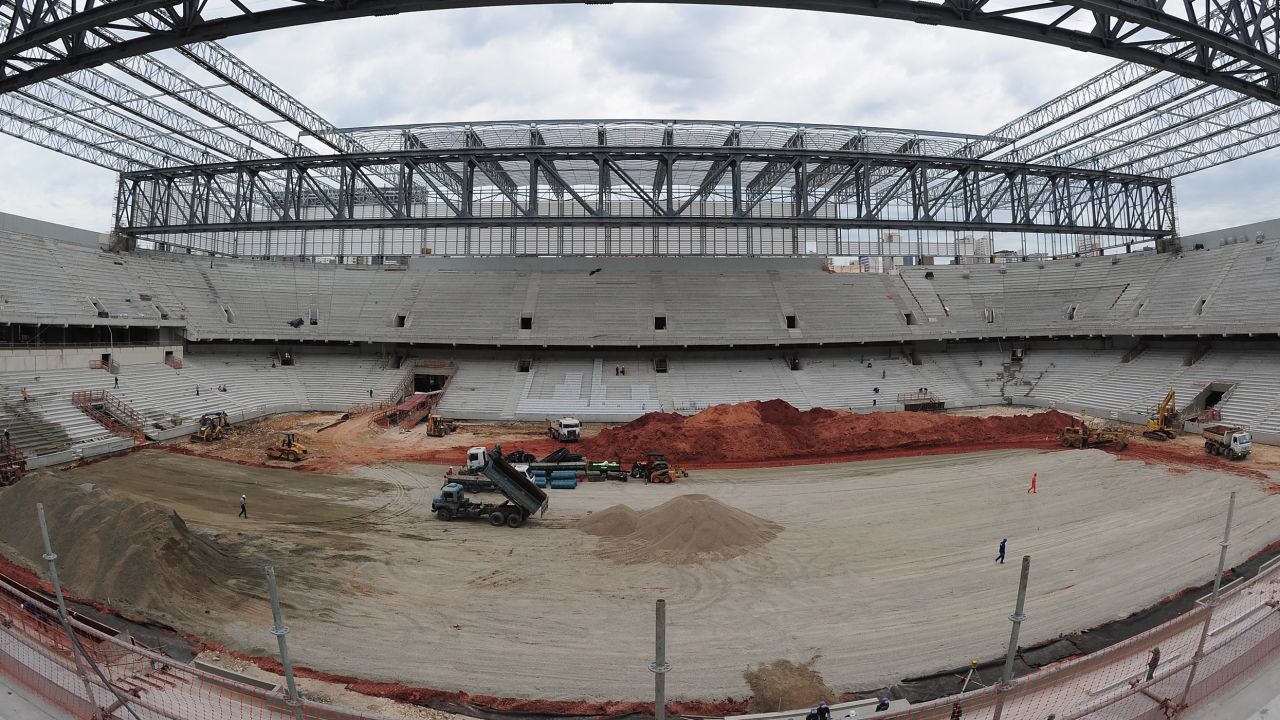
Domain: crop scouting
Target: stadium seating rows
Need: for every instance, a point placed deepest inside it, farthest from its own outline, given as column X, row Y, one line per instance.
column 709, row 306
column 167, row 397
column 703, row 302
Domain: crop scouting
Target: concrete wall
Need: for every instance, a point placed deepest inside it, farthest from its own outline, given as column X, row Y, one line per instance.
column 1241, row 233
column 25, row 359
column 46, row 229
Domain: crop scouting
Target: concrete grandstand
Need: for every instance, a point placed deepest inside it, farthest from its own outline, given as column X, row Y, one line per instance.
column 529, row 338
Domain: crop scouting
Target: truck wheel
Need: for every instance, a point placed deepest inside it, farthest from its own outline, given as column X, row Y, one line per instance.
column 444, row 514
column 514, row 520
column 496, row 518
column 1066, row 442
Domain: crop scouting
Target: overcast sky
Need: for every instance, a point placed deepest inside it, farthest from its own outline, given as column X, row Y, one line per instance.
column 649, row 61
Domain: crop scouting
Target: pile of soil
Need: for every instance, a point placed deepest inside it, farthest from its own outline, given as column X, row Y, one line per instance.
column 139, row 557
column 683, row 530
column 775, row 430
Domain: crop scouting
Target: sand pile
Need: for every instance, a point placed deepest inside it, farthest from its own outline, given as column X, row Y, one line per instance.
column 686, row 529
column 775, row 430
column 139, row 557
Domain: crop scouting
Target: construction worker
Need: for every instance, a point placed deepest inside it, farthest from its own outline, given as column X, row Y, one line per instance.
column 883, row 704
column 824, row 712
column 6, row 436
column 1153, row 663
column 244, row 507
column 25, row 395
column 1032, row 488
column 116, row 385
column 1000, row 557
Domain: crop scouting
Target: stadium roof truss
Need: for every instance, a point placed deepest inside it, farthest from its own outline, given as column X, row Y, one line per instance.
column 218, row 151
column 628, row 174
column 1229, row 43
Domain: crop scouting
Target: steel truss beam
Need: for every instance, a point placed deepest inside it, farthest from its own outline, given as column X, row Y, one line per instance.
column 823, row 189
column 1131, row 132
column 1233, row 47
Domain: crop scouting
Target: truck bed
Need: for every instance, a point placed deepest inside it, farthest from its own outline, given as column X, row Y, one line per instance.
column 515, row 485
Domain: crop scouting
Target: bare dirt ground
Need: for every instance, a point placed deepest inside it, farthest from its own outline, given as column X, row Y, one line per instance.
column 883, row 569
column 360, row 441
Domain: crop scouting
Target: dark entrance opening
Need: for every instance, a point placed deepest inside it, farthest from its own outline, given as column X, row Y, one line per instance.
column 429, row 383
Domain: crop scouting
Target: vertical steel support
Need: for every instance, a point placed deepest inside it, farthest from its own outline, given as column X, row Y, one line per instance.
column 280, row 631
column 1213, row 603
column 660, row 667
column 1006, row 677
column 51, row 558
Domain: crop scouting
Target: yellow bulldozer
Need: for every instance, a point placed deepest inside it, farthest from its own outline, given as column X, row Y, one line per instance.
column 287, row 448
column 1161, row 425
column 213, row 426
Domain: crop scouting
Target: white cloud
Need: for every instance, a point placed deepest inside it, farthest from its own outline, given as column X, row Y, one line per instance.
column 646, row 61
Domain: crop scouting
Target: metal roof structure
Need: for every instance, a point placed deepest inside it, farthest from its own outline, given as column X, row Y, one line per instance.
column 1198, row 88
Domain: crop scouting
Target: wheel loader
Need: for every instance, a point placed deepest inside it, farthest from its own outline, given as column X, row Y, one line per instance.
column 439, row 427
column 287, row 448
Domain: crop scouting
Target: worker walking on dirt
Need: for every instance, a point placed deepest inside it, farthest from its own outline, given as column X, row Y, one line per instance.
column 25, row 395
column 116, row 385
column 1032, row 488
column 1153, row 663
column 824, row 712
column 244, row 507
column 1000, row 557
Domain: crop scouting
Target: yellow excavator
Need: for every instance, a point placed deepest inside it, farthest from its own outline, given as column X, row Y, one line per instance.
column 288, row 448
column 1160, row 426
column 213, row 426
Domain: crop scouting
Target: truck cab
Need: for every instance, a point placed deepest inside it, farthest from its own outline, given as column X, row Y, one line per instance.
column 476, row 458
column 1240, row 444
column 565, row 429
column 452, row 497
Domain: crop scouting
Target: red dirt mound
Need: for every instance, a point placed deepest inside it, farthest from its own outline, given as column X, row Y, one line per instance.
column 775, row 430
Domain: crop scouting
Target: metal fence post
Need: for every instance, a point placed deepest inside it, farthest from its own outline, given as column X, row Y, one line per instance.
column 280, row 631
column 51, row 557
column 1212, row 604
column 659, row 667
column 1006, row 678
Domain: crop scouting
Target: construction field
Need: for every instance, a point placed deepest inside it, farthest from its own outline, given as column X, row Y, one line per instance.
column 882, row 569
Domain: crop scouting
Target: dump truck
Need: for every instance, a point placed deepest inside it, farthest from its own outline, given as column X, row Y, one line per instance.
column 1230, row 441
column 522, row 497
column 566, row 429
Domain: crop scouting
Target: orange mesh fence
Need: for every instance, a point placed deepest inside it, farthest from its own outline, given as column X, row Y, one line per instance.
column 1117, row 683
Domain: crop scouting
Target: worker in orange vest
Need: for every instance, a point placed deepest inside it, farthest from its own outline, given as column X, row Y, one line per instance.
column 1033, row 483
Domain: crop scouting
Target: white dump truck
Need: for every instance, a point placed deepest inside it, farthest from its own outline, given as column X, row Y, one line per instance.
column 566, row 429
column 1230, row 441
